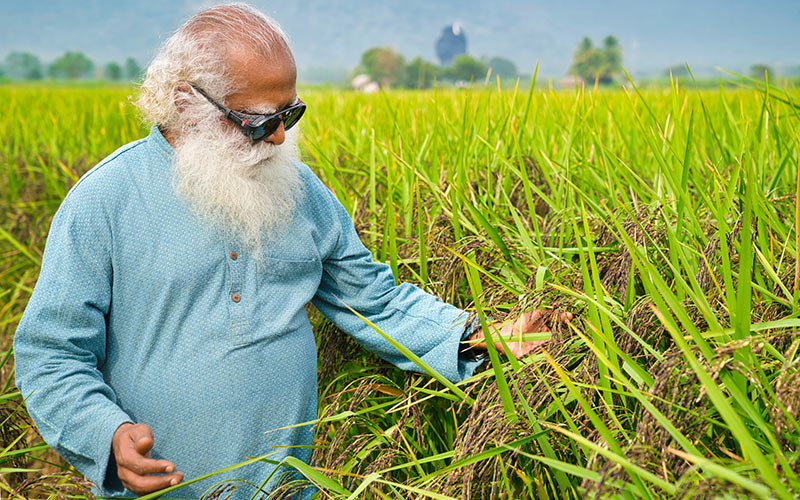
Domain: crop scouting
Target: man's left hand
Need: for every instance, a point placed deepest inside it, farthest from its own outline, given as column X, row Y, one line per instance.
column 512, row 331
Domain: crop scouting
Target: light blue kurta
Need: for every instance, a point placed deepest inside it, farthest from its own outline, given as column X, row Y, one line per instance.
column 133, row 320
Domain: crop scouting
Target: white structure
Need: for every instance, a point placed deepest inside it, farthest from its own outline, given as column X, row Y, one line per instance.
column 363, row 83
column 570, row 82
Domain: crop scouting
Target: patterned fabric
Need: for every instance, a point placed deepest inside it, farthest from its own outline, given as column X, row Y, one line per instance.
column 142, row 314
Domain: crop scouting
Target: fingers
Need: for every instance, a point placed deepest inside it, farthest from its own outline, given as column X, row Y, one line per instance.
column 538, row 317
column 138, row 435
column 529, row 322
column 147, row 484
column 535, row 316
column 131, row 445
column 134, row 452
column 143, row 445
column 143, row 465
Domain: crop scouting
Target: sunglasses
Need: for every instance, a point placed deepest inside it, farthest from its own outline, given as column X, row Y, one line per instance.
column 259, row 127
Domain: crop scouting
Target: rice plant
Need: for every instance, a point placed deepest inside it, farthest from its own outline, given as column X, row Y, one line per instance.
column 665, row 220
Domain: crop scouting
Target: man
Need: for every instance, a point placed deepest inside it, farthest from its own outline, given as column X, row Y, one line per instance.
column 167, row 331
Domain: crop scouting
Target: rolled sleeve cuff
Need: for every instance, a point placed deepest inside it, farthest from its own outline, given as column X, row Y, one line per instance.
column 102, row 473
column 467, row 361
column 466, row 353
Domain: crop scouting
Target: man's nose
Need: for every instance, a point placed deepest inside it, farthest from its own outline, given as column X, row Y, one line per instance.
column 278, row 136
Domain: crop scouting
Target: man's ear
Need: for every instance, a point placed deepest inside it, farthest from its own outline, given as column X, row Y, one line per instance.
column 181, row 95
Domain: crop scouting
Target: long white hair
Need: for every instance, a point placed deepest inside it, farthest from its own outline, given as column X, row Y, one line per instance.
column 196, row 54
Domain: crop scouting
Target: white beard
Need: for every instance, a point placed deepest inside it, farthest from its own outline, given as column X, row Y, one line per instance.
column 247, row 191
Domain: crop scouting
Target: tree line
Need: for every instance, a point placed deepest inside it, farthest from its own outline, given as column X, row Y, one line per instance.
column 382, row 64
column 70, row 66
column 389, row 68
column 598, row 64
column 603, row 64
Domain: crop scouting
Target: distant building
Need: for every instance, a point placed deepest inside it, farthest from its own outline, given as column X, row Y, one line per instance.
column 363, row 83
column 452, row 43
column 570, row 82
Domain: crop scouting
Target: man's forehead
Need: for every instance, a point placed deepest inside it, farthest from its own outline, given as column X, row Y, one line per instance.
column 261, row 82
column 247, row 64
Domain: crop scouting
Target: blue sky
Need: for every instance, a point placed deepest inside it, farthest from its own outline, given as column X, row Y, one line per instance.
column 333, row 33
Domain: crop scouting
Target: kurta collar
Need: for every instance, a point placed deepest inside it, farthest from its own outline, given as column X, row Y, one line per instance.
column 159, row 143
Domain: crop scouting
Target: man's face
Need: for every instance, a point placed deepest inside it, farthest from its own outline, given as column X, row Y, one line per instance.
column 264, row 86
column 242, row 188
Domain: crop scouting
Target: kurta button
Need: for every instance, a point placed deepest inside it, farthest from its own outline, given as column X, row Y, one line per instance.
column 234, row 255
column 236, row 297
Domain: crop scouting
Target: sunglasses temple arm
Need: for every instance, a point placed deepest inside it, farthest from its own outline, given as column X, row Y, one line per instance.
column 230, row 116
column 227, row 112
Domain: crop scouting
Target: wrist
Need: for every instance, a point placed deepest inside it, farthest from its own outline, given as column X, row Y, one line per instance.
column 118, row 434
column 471, row 347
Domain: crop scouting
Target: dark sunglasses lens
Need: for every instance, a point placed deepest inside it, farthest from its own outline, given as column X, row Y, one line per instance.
column 265, row 129
column 293, row 116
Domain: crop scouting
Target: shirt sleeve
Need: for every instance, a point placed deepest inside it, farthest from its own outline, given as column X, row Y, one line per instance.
column 421, row 322
column 60, row 343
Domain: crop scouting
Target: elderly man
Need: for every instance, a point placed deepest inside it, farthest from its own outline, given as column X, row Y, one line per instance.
column 167, row 329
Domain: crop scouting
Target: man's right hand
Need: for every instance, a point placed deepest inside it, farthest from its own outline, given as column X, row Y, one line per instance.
column 131, row 447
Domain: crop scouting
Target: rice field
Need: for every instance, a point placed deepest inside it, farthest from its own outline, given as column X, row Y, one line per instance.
column 665, row 220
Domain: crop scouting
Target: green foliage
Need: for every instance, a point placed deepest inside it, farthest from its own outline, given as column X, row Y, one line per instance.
column 646, row 238
column 112, row 71
column 666, row 221
column 585, row 45
column 504, row 68
column 384, row 65
column 465, row 68
column 23, row 66
column 388, row 68
column 598, row 64
column 71, row 65
column 133, row 71
column 761, row 71
column 421, row 74
column 613, row 52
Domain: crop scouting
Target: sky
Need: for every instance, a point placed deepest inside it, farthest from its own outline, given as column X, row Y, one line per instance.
column 332, row 34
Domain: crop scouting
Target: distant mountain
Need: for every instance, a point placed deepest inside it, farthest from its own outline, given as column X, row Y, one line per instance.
column 328, row 36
